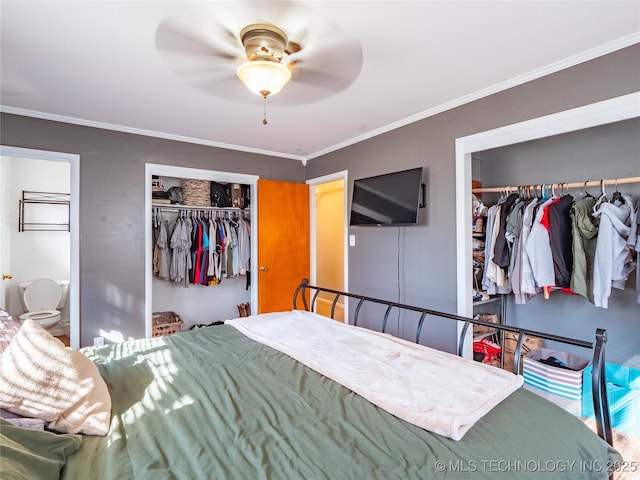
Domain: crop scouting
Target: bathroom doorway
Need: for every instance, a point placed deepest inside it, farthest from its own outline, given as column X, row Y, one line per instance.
column 29, row 250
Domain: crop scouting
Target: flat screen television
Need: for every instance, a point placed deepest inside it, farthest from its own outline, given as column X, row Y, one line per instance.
column 392, row 199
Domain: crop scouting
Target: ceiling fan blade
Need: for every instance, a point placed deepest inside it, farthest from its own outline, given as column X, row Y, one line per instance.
column 323, row 80
column 175, row 38
column 323, row 71
column 221, row 84
column 204, row 55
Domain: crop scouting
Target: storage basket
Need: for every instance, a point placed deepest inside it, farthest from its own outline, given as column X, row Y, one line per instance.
column 196, row 193
column 559, row 385
column 165, row 323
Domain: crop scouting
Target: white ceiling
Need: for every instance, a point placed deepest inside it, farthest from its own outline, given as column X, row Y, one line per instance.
column 97, row 64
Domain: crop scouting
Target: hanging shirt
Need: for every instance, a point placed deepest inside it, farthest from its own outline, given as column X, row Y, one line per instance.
column 512, row 233
column 180, row 245
column 244, row 245
column 204, row 256
column 222, row 242
column 235, row 251
column 228, row 248
column 614, row 259
column 585, row 234
column 174, row 244
column 515, row 268
column 528, row 286
column 197, row 264
column 186, row 233
column 501, row 251
column 538, row 249
column 194, row 249
column 495, row 277
column 156, row 250
column 560, row 240
column 164, row 254
column 212, row 250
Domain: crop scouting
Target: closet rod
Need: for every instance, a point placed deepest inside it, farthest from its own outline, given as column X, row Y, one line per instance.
column 591, row 183
column 165, row 206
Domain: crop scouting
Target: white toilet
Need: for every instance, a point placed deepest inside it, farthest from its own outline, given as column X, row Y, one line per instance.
column 42, row 299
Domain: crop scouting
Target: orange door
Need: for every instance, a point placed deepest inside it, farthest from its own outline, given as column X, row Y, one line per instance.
column 283, row 242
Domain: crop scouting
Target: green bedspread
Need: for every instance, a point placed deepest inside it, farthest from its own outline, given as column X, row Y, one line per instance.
column 212, row 404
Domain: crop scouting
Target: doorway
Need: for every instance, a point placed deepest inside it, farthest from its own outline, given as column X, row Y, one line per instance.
column 328, row 242
column 52, row 254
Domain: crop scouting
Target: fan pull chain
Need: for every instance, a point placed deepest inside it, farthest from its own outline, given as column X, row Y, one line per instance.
column 264, row 120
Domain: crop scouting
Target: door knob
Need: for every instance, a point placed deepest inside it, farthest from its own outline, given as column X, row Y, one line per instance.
column 7, row 276
column 263, row 268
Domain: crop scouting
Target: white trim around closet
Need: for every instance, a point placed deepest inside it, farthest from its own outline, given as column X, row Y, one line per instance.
column 608, row 111
column 198, row 174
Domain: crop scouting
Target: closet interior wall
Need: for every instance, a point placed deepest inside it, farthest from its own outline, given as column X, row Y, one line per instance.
column 198, row 304
column 606, row 152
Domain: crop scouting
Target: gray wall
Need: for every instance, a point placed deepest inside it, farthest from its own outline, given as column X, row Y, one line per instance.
column 112, row 213
column 112, row 192
column 609, row 151
column 427, row 252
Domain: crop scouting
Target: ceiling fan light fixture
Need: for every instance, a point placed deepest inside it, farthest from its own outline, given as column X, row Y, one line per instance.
column 264, row 77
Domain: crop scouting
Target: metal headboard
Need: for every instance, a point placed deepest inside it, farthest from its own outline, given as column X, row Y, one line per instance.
column 598, row 379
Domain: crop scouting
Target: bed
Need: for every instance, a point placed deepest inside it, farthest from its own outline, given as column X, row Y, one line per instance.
column 214, row 403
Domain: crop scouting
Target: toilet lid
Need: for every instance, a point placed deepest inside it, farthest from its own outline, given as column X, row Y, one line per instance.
column 43, row 294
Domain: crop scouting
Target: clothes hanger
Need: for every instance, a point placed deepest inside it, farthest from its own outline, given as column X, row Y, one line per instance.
column 544, row 192
column 602, row 198
column 617, row 196
column 586, row 193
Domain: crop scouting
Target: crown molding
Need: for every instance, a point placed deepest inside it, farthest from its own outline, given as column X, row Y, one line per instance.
column 585, row 56
column 140, row 131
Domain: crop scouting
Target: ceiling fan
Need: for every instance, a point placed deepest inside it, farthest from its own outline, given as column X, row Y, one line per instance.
column 267, row 69
column 267, row 46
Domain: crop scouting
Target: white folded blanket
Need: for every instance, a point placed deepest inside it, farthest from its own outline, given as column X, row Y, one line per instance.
column 434, row 390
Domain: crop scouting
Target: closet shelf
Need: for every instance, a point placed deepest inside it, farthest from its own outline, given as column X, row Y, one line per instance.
column 492, row 299
column 193, row 207
column 591, row 183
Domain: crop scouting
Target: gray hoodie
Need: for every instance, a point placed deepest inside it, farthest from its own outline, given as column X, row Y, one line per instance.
column 614, row 258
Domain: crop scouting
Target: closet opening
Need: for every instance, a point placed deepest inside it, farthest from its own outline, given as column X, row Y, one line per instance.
column 601, row 113
column 212, row 213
